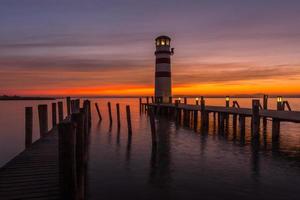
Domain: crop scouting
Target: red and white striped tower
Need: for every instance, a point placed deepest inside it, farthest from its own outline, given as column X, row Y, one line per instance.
column 163, row 83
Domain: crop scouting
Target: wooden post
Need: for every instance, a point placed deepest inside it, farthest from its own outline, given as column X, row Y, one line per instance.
column 54, row 115
column 147, row 100
column 265, row 103
column 78, row 119
column 153, row 129
column 197, row 101
column 221, row 121
column 118, row 114
column 128, row 120
column 203, row 114
column 98, row 111
column 195, row 119
column 109, row 113
column 170, row 100
column 77, row 105
column 185, row 100
column 67, row 164
column 87, row 108
column 60, row 111
column 234, row 122
column 242, row 123
column 255, row 118
column 28, row 127
column 152, row 99
column 275, row 129
column 140, row 103
column 43, row 119
column 68, row 106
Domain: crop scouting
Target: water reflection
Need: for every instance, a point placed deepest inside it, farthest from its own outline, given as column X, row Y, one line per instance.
column 160, row 172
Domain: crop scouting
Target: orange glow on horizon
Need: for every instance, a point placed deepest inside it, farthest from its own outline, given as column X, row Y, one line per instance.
column 241, row 88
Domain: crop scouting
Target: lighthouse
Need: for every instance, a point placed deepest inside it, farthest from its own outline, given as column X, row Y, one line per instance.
column 163, row 82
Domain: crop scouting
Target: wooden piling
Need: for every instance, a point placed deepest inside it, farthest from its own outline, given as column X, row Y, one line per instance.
column 118, row 114
column 68, row 106
column 242, row 123
column 60, row 111
column 67, row 160
column 195, row 119
column 275, row 129
column 152, row 99
column 140, row 104
column 255, row 118
column 185, row 100
column 54, row 115
column 204, row 115
column 128, row 120
column 98, row 111
column 221, row 123
column 153, row 129
column 43, row 119
column 28, row 126
column 109, row 112
column 78, row 119
column 170, row 100
column 234, row 122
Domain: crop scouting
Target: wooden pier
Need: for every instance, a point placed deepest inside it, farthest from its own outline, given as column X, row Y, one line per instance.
column 188, row 114
column 34, row 173
column 53, row 167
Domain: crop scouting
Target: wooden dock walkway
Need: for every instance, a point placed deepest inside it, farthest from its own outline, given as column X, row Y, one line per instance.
column 34, row 173
column 289, row 116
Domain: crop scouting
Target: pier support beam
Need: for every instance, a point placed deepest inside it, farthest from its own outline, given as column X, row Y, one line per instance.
column 54, row 115
column 255, row 119
column 43, row 119
column 275, row 129
column 28, row 127
column 242, row 123
column 60, row 111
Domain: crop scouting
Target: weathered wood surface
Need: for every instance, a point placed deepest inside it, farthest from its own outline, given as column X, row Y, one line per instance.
column 34, row 173
column 290, row 116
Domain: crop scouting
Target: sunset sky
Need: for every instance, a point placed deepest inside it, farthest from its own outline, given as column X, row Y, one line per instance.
column 106, row 47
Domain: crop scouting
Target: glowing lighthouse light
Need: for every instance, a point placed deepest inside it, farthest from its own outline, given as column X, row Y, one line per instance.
column 163, row 81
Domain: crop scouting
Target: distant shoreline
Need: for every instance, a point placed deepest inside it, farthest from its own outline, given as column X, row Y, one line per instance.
column 12, row 98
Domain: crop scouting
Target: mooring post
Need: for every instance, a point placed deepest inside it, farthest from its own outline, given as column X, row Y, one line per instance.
column 170, row 100
column 68, row 106
column 153, row 129
column 128, row 120
column 43, row 119
column 118, row 115
column 234, row 122
column 67, row 161
column 140, row 103
column 109, row 112
column 221, row 121
column 60, row 111
column 77, row 105
column 72, row 106
column 78, row 119
column 275, row 129
column 28, row 127
column 255, row 118
column 265, row 107
column 54, row 115
column 203, row 114
column 195, row 119
column 152, row 99
column 242, row 123
column 98, row 111
column 185, row 100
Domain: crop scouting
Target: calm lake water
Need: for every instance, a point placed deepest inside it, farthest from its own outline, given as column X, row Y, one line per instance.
column 188, row 165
